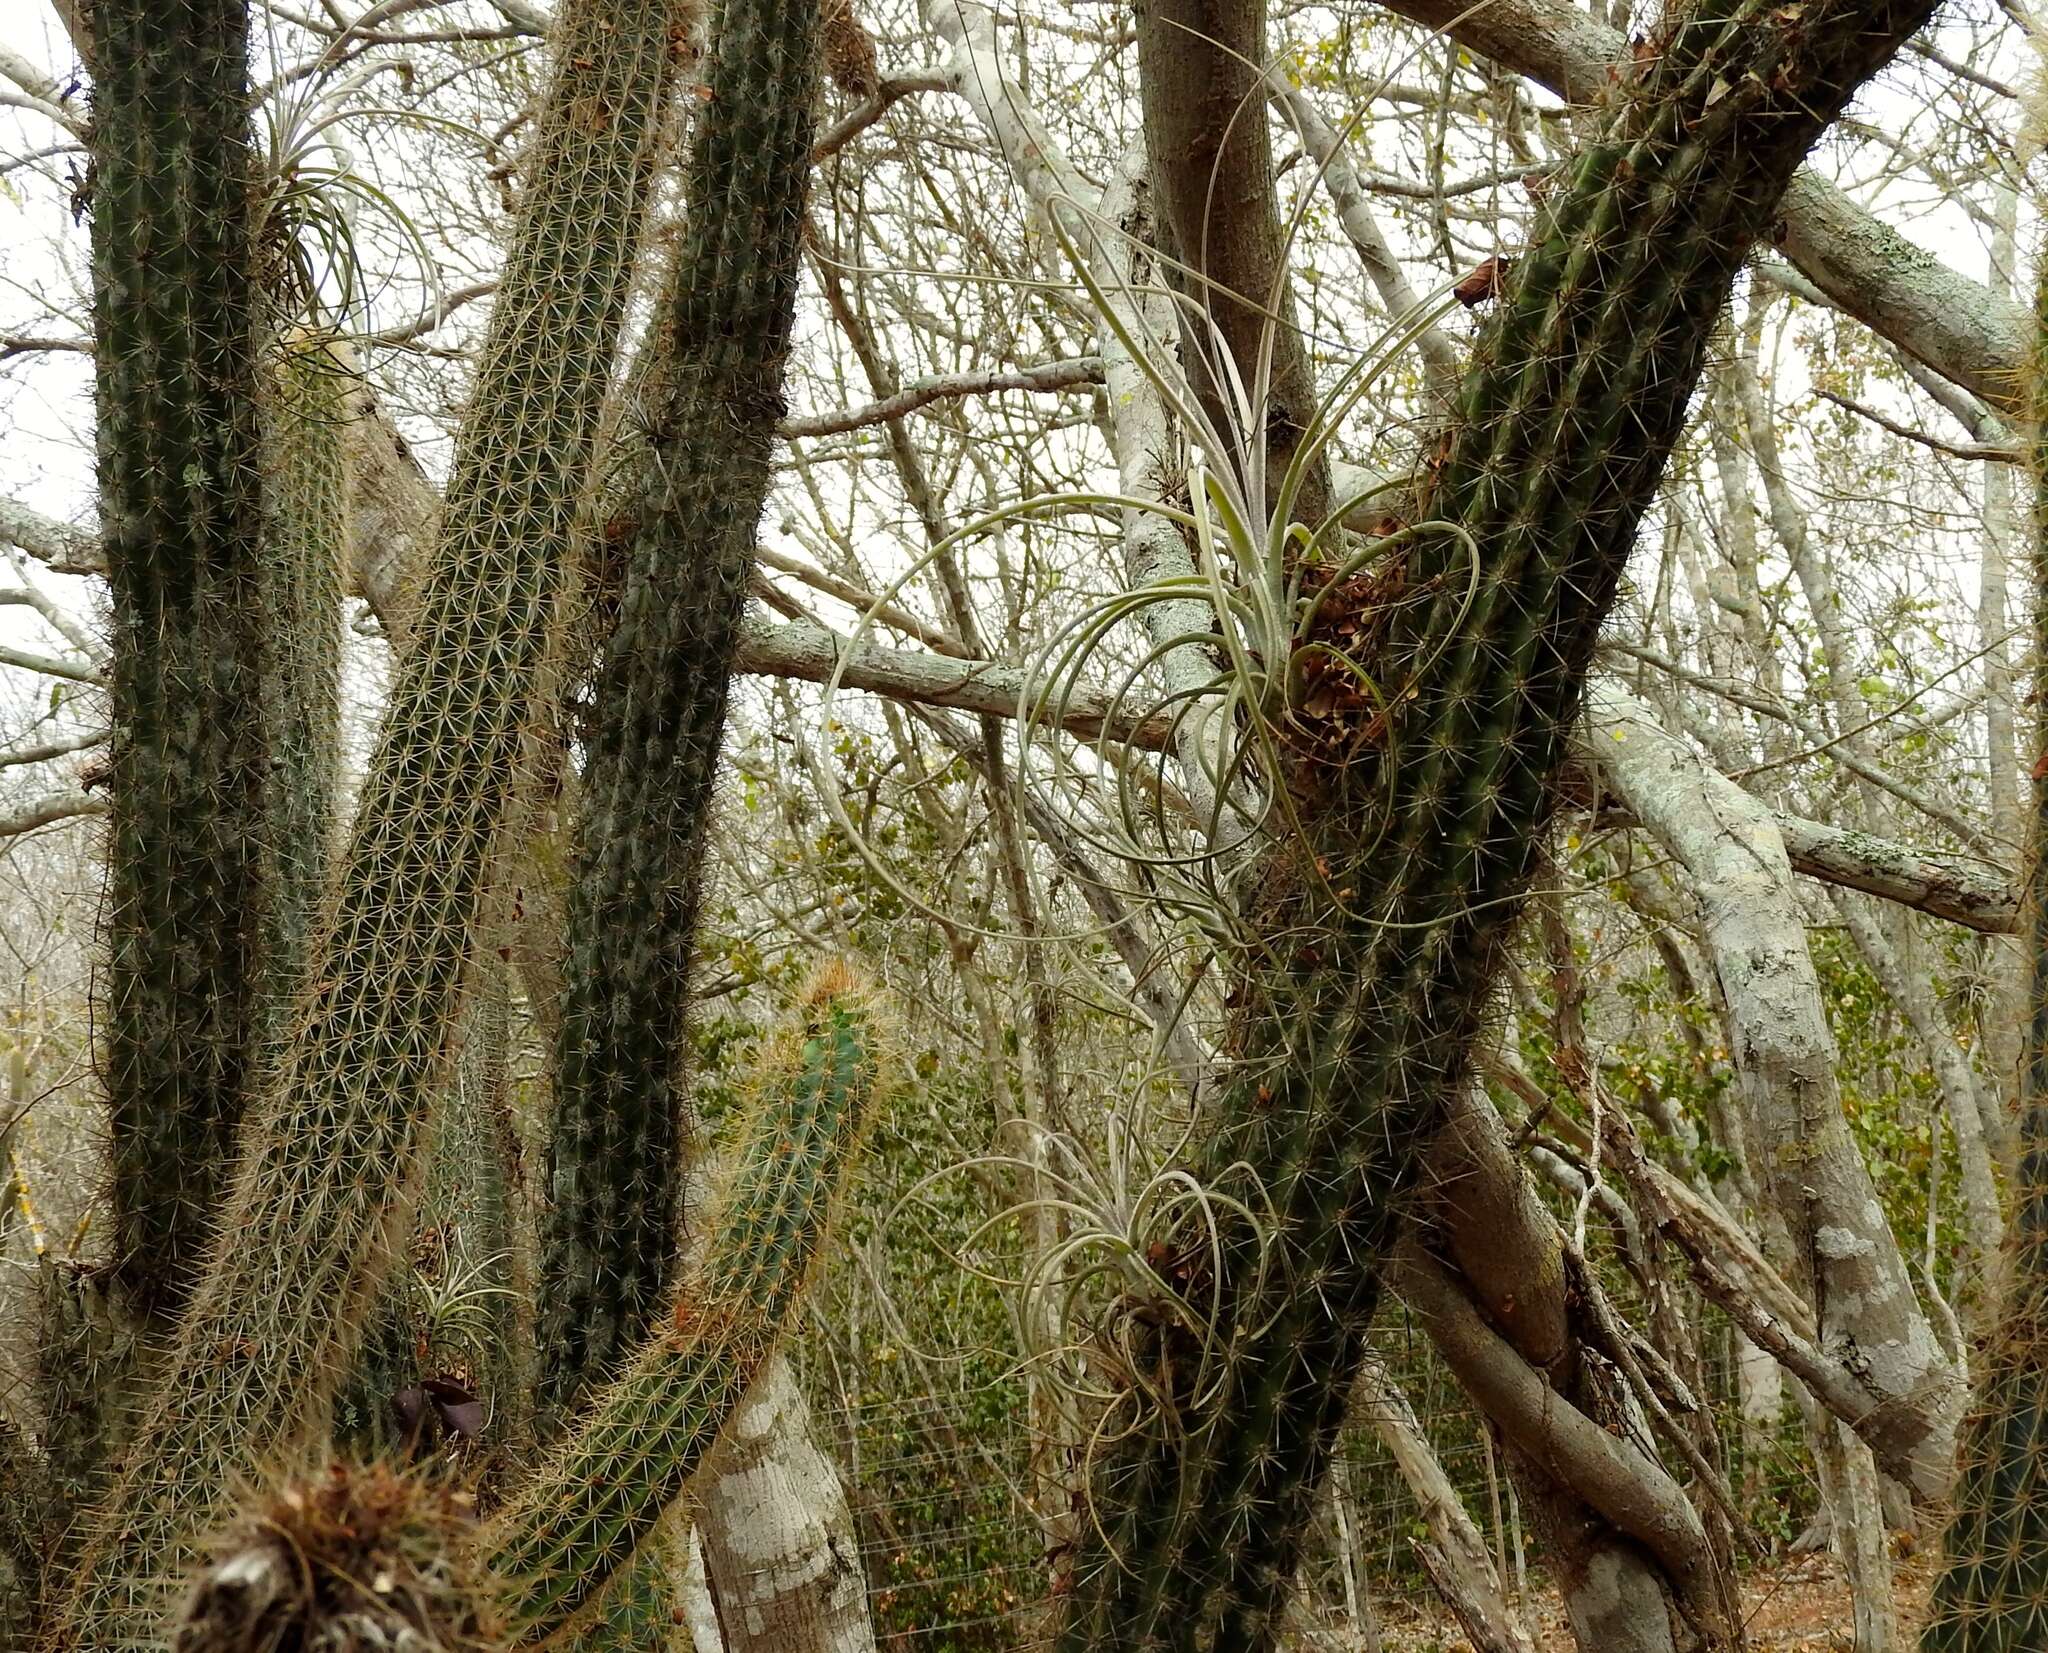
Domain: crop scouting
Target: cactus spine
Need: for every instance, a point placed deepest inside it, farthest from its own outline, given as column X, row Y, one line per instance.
column 1991, row 1594
column 174, row 273
column 605, row 1490
column 639, row 1611
column 1389, row 917
column 713, row 396
column 309, row 1223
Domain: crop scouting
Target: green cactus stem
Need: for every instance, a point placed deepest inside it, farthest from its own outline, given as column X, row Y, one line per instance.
column 1991, row 1594
column 1387, row 918
column 306, row 545
column 606, row 1488
column 176, row 351
column 638, row 1612
column 709, row 403
column 322, row 1186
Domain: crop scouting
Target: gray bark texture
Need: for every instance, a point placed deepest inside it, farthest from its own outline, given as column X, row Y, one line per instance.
column 1838, row 1247
column 780, row 1554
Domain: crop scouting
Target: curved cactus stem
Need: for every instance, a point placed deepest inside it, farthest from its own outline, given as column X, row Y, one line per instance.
column 603, row 1492
column 309, row 1226
column 1388, row 917
column 708, row 402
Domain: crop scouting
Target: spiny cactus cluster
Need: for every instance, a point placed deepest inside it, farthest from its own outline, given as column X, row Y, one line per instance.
column 1991, row 1595
column 563, row 1537
column 334, row 1563
column 361, row 1559
column 710, row 402
column 1388, row 919
column 176, row 349
column 309, row 1224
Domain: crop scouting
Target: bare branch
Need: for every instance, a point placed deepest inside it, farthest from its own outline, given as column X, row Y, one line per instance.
column 1044, row 376
column 809, row 653
column 47, row 811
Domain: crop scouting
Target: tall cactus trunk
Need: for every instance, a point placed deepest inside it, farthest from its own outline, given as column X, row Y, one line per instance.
column 309, row 1224
column 600, row 1497
column 457, row 1310
column 1991, row 1595
column 176, row 344
column 710, row 402
column 1389, row 917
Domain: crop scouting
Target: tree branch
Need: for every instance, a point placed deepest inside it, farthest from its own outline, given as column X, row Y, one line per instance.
column 1957, row 326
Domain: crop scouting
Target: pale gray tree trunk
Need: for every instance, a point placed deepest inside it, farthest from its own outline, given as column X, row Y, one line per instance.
column 1837, row 1246
column 1760, row 1384
column 781, row 1559
column 2004, row 1012
column 1849, row 1485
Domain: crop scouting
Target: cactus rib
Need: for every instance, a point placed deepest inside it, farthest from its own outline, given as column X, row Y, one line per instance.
column 1388, row 917
column 176, row 347
column 327, row 1165
column 712, row 401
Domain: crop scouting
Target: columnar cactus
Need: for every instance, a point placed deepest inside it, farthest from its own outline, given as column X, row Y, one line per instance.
column 176, row 348
column 582, row 1517
column 456, row 1310
column 1387, row 919
column 708, row 409
column 1991, row 1595
column 306, row 543
column 309, row 1224
column 639, row 1610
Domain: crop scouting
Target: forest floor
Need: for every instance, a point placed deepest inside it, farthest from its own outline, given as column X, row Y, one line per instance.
column 1800, row 1605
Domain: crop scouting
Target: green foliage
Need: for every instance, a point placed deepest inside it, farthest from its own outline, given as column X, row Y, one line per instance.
column 176, row 349
column 1420, row 829
column 616, row 1157
column 602, row 1494
column 308, row 1229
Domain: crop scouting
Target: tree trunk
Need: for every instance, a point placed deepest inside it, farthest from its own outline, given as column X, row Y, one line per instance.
column 1630, row 1553
column 780, row 1553
column 1838, row 1247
